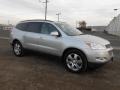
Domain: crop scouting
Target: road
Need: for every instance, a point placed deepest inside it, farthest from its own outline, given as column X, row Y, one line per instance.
column 38, row 71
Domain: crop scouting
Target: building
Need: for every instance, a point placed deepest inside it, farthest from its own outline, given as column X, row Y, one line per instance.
column 97, row 28
column 6, row 27
column 114, row 26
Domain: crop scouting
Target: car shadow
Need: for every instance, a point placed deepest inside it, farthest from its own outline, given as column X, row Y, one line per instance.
column 52, row 62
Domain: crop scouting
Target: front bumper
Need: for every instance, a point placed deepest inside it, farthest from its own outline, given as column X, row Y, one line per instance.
column 100, row 56
column 93, row 65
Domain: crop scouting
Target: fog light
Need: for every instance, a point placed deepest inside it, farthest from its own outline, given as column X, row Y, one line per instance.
column 101, row 58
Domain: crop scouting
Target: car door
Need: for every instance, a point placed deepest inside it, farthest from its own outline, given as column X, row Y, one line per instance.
column 50, row 44
column 32, row 36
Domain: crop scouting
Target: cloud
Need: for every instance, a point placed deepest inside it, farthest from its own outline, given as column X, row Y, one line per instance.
column 95, row 12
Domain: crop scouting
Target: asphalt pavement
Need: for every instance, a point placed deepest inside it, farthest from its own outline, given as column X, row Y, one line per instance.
column 38, row 71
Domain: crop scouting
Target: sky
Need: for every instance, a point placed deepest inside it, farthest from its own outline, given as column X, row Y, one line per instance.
column 94, row 12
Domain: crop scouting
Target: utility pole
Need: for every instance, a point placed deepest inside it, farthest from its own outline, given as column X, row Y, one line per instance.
column 115, row 11
column 46, row 3
column 58, row 14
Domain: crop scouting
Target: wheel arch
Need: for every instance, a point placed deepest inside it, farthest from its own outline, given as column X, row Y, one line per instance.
column 15, row 40
column 71, row 48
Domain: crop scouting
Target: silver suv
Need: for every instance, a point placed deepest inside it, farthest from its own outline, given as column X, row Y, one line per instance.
column 58, row 38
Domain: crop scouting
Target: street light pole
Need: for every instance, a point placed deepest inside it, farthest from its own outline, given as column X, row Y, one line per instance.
column 58, row 14
column 115, row 11
column 115, row 31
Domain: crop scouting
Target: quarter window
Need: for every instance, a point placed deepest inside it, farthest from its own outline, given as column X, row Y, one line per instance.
column 22, row 26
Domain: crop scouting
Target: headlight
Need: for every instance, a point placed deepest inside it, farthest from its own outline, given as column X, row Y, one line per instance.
column 95, row 46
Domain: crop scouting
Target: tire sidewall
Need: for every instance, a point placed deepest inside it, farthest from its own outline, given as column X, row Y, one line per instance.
column 84, row 60
column 21, row 53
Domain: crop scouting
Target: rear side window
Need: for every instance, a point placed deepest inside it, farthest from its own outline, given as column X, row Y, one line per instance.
column 34, row 27
column 22, row 26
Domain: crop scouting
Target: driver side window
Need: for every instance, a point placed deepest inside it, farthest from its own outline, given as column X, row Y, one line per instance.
column 48, row 28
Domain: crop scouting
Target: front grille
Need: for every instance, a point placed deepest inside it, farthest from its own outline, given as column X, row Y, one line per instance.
column 108, row 46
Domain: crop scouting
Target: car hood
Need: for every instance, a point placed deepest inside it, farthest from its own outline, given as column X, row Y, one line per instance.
column 91, row 38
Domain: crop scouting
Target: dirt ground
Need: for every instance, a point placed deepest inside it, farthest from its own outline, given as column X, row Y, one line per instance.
column 36, row 71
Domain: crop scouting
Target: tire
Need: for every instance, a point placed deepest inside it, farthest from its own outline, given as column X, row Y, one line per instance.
column 75, row 61
column 18, row 49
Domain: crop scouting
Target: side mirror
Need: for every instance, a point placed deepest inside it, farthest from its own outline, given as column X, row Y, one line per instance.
column 55, row 34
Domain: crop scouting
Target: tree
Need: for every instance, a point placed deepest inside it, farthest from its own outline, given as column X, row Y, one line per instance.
column 82, row 24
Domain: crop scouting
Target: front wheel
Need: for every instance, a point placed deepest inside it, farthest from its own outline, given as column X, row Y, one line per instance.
column 18, row 49
column 75, row 61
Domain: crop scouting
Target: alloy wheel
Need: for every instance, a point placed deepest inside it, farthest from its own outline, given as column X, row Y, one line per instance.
column 74, row 62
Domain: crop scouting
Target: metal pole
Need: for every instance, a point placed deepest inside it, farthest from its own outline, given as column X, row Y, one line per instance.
column 46, row 3
column 46, row 9
column 115, row 20
column 58, row 14
column 115, row 12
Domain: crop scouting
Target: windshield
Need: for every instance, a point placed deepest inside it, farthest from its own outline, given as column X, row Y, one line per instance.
column 67, row 29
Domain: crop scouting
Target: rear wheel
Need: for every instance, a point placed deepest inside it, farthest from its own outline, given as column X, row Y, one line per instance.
column 75, row 61
column 18, row 49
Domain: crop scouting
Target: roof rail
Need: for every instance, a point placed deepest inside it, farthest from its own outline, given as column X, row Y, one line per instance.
column 36, row 20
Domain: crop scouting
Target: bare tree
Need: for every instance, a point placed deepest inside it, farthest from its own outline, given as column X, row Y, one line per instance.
column 82, row 24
